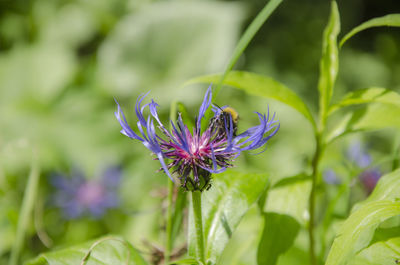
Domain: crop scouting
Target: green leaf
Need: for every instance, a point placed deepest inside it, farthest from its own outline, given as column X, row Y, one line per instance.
column 358, row 230
column 103, row 251
column 387, row 188
column 279, row 233
column 374, row 116
column 290, row 196
column 262, row 86
column 368, row 95
column 178, row 214
column 329, row 63
column 25, row 218
column 392, row 20
column 224, row 205
column 184, row 261
column 384, row 252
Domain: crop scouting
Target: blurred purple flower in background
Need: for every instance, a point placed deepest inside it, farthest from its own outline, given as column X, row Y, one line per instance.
column 77, row 196
column 369, row 177
column 195, row 155
column 357, row 154
column 330, row 177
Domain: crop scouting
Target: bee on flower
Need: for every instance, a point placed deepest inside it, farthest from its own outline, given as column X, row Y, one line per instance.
column 197, row 154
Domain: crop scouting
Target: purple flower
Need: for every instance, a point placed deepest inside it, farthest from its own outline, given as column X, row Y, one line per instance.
column 78, row 196
column 330, row 177
column 359, row 155
column 195, row 155
column 369, row 176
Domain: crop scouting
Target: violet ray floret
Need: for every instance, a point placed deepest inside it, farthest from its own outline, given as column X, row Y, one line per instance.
column 195, row 156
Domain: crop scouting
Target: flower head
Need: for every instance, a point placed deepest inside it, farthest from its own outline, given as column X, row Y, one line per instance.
column 369, row 176
column 196, row 154
column 77, row 196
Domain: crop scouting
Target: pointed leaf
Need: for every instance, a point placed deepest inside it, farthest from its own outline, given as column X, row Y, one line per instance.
column 387, row 188
column 262, row 86
column 384, row 252
column 290, row 196
column 279, row 233
column 329, row 63
column 392, row 20
column 368, row 95
column 358, row 230
column 104, row 251
column 374, row 116
column 185, row 261
column 224, row 205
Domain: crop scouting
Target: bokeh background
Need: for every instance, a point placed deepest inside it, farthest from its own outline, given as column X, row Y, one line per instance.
column 62, row 63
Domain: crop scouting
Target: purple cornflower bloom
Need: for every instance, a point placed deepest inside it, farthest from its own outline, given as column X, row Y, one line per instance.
column 78, row 196
column 369, row 176
column 195, row 155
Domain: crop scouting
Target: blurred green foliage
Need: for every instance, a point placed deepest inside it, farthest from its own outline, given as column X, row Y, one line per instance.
column 63, row 62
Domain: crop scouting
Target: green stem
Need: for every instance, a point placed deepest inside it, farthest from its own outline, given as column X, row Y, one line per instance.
column 168, row 241
column 198, row 222
column 24, row 217
column 311, row 236
column 396, row 151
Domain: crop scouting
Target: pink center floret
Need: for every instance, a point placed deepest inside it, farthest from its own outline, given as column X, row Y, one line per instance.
column 90, row 193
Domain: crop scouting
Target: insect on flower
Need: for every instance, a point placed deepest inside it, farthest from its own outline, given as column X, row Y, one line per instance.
column 196, row 155
column 221, row 118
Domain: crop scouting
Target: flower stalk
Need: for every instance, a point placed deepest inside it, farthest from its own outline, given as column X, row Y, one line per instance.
column 168, row 236
column 311, row 224
column 198, row 223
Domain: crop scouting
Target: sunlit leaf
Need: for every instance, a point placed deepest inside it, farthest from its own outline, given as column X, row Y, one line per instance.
column 105, row 250
column 290, row 196
column 357, row 231
column 279, row 233
column 262, row 86
column 384, row 252
column 231, row 195
column 178, row 213
column 392, row 20
column 374, row 116
column 329, row 63
column 387, row 188
column 185, row 261
column 368, row 95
